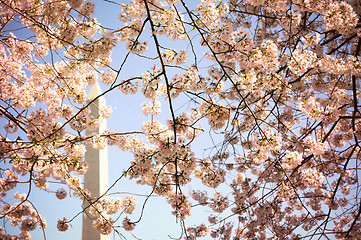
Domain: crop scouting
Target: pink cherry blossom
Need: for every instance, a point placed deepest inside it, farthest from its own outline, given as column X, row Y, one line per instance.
column 253, row 105
column 63, row 225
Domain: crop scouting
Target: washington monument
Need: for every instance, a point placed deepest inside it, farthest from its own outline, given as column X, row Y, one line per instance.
column 96, row 178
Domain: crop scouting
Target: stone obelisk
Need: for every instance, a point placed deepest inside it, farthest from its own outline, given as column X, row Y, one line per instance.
column 96, row 178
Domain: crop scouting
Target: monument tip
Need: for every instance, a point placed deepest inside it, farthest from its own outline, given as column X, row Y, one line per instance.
column 94, row 91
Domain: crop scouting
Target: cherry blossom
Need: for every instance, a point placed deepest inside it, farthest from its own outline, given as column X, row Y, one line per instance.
column 61, row 193
column 63, row 225
column 254, row 105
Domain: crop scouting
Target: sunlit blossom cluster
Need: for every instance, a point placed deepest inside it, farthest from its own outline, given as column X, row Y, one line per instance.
column 151, row 108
